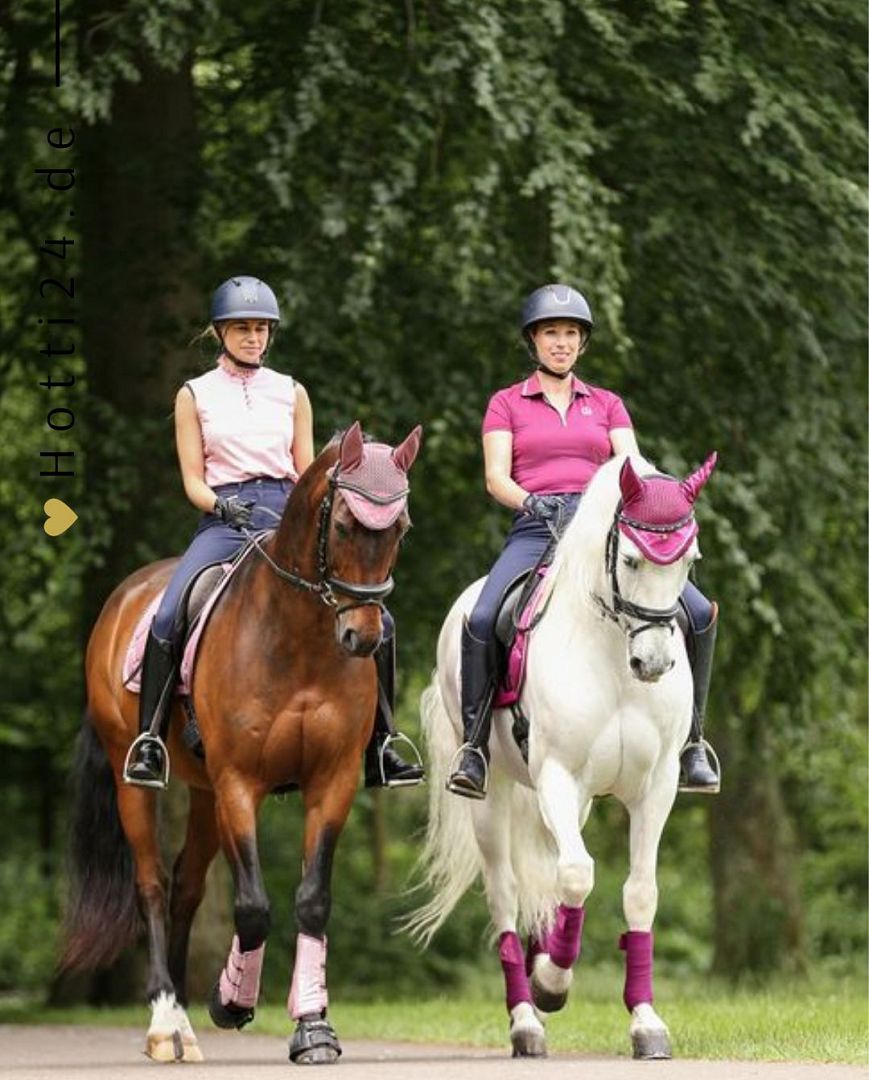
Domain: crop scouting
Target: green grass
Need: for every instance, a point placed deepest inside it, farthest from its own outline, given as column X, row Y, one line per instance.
column 794, row 1020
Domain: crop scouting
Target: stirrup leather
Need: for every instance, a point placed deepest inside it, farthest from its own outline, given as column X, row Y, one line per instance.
column 713, row 761
column 142, row 739
column 397, row 736
column 459, row 789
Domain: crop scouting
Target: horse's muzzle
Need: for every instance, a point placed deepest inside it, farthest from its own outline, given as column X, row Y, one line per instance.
column 359, row 637
column 649, row 672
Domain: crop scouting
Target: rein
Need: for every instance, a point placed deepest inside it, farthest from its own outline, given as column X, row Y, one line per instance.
column 649, row 618
column 326, row 584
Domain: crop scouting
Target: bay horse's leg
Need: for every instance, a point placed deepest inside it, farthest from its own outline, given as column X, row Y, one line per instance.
column 492, row 826
column 234, row 997
column 563, row 805
column 170, row 1036
column 649, row 1034
column 188, row 882
column 327, row 804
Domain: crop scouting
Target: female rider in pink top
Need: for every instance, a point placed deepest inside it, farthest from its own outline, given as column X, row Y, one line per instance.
column 543, row 440
column 244, row 435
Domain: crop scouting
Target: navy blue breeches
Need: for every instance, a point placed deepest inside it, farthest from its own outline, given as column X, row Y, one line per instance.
column 525, row 544
column 213, row 541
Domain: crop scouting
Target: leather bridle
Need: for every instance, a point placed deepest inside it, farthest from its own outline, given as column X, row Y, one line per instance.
column 326, row 584
column 649, row 618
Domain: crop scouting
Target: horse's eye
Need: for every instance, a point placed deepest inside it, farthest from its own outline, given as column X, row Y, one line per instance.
column 342, row 530
column 630, row 562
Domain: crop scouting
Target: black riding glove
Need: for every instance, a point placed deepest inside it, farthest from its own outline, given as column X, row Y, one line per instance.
column 542, row 507
column 233, row 511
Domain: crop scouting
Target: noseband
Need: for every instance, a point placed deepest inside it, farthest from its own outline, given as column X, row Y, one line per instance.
column 649, row 618
column 327, row 584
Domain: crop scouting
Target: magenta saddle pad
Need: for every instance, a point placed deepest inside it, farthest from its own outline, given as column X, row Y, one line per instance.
column 510, row 686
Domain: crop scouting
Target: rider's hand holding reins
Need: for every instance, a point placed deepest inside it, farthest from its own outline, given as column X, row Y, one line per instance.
column 234, row 511
column 542, row 507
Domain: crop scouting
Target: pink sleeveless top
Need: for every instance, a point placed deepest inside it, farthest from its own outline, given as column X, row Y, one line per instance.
column 247, row 423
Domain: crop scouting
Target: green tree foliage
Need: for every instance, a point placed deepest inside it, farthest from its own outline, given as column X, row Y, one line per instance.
column 403, row 174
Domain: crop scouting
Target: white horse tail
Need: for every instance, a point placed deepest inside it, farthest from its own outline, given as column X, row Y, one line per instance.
column 450, row 860
column 534, row 857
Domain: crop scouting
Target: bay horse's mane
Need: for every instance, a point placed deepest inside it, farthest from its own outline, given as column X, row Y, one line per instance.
column 299, row 515
column 297, row 529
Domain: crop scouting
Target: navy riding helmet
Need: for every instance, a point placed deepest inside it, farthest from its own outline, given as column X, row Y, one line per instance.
column 244, row 297
column 556, row 302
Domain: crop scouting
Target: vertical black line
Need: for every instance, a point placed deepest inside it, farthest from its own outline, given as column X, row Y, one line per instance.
column 57, row 42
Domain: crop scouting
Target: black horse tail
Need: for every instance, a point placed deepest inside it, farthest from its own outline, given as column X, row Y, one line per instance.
column 102, row 916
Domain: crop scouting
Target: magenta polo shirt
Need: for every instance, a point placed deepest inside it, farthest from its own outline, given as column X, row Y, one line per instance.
column 551, row 454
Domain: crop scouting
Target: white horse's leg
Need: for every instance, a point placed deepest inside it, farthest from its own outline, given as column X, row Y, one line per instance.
column 649, row 1034
column 562, row 805
column 492, row 830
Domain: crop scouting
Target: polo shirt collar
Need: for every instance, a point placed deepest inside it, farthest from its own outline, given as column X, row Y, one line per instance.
column 532, row 388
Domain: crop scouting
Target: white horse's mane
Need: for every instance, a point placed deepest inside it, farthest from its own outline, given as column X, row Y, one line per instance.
column 581, row 551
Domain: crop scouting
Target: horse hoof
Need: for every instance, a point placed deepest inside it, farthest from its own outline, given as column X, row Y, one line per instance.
column 547, row 1002
column 172, row 1047
column 528, row 1044
column 527, row 1033
column 228, row 1016
column 651, row 1046
column 552, row 997
column 314, row 1042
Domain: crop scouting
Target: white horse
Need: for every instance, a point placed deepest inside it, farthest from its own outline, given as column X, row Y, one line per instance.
column 608, row 693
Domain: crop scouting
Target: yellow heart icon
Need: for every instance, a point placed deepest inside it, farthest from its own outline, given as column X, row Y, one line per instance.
column 59, row 518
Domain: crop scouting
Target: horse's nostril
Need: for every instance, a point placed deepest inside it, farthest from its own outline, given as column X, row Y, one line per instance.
column 350, row 641
column 636, row 665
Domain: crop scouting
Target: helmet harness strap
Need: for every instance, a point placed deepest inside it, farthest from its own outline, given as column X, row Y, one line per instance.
column 224, row 350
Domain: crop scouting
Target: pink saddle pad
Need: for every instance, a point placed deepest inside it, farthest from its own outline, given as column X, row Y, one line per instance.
column 136, row 649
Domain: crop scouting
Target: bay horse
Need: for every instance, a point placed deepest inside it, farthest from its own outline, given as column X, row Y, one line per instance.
column 608, row 694
column 284, row 691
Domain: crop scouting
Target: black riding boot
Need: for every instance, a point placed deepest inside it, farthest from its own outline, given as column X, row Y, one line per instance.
column 147, row 763
column 384, row 766
column 697, row 773
column 470, row 777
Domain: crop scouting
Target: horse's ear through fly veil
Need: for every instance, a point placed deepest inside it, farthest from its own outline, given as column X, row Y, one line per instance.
column 656, row 512
column 372, row 477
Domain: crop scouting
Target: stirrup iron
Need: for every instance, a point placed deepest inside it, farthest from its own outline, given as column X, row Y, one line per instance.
column 458, row 789
column 713, row 761
column 397, row 736
column 160, row 784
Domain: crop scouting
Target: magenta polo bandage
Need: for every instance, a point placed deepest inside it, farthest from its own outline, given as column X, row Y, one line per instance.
column 536, row 946
column 239, row 980
column 308, row 992
column 638, row 947
column 513, row 964
column 564, row 939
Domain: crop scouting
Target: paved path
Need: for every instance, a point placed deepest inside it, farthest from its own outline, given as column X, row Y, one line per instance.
column 82, row 1053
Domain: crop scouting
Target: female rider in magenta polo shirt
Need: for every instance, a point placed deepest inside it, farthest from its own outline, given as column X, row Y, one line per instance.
column 544, row 438
column 244, row 435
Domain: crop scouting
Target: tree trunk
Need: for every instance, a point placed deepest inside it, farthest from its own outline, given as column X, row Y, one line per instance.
column 758, row 914
column 137, row 188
